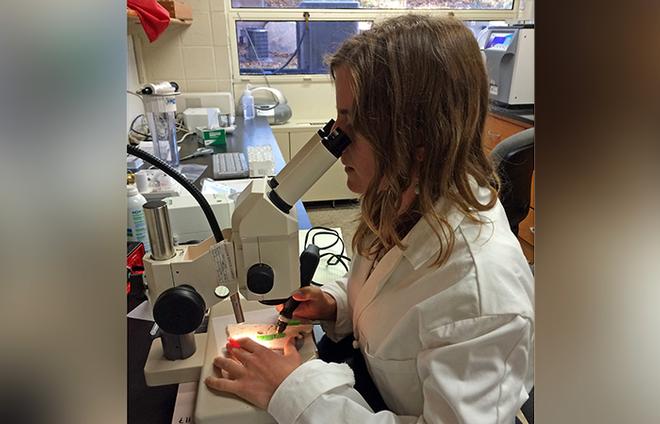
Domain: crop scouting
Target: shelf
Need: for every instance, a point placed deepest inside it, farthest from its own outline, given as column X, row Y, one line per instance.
column 133, row 18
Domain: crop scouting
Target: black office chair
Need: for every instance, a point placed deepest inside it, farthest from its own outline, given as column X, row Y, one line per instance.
column 527, row 410
column 514, row 161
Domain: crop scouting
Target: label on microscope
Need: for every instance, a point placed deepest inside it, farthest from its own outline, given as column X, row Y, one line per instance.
column 223, row 257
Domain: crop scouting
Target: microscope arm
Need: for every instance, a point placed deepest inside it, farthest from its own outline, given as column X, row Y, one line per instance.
column 191, row 264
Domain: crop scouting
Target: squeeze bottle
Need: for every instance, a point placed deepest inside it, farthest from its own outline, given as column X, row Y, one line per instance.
column 137, row 226
column 248, row 104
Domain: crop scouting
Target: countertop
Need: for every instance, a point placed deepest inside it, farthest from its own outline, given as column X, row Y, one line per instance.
column 524, row 115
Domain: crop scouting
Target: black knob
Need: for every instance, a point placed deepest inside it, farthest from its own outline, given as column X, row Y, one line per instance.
column 175, row 85
column 179, row 310
column 260, row 278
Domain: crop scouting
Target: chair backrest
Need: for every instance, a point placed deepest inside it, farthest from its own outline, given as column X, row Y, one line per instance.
column 514, row 161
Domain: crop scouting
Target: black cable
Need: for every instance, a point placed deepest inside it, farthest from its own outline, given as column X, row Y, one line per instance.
column 335, row 258
column 181, row 179
column 179, row 126
column 136, row 131
column 256, row 55
column 295, row 53
column 135, row 120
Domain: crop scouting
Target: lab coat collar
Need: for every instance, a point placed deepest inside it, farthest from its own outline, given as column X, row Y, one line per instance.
column 421, row 241
column 422, row 244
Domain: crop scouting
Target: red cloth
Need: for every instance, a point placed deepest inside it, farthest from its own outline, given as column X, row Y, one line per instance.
column 153, row 17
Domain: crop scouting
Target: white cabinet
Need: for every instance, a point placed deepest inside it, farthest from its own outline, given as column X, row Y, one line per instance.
column 282, row 139
column 332, row 185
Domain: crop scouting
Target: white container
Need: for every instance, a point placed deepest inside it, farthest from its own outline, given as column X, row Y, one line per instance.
column 142, row 182
column 201, row 117
column 247, row 101
column 260, row 161
column 137, row 227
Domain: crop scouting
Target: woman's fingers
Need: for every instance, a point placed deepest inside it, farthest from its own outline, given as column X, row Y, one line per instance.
column 253, row 372
column 233, row 368
column 305, row 293
column 250, row 345
column 290, row 348
column 241, row 355
column 247, row 351
column 222, row 384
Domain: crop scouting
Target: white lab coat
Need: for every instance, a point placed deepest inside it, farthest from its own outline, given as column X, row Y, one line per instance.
column 443, row 345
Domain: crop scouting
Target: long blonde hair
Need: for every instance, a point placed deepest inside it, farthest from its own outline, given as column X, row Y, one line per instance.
column 419, row 82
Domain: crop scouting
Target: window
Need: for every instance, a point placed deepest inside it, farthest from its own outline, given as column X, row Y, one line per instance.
column 290, row 47
column 375, row 4
column 291, row 38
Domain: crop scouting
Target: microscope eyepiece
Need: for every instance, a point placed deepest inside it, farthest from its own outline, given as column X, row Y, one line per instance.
column 336, row 142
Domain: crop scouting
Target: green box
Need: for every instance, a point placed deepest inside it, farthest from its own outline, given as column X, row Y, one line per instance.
column 212, row 137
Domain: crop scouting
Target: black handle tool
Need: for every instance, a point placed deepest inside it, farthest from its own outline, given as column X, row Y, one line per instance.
column 309, row 260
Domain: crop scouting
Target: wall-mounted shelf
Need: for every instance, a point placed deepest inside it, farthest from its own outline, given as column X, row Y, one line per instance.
column 133, row 19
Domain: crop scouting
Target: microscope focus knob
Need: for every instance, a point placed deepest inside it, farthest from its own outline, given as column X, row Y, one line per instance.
column 179, row 310
column 260, row 278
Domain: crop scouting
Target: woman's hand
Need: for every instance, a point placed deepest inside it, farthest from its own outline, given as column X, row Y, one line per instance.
column 315, row 304
column 252, row 371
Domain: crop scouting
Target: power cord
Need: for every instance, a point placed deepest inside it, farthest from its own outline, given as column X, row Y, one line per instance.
column 146, row 136
column 295, row 53
column 334, row 258
column 256, row 55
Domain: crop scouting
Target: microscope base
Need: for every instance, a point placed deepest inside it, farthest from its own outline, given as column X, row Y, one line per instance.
column 159, row 371
column 223, row 408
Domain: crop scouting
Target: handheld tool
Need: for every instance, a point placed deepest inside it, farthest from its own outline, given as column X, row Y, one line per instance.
column 202, row 151
column 309, row 260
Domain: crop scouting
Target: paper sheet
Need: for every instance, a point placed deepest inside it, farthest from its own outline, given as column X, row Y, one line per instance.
column 325, row 274
column 142, row 311
column 185, row 403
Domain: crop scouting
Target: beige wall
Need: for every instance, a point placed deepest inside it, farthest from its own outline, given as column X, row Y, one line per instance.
column 195, row 56
column 526, row 10
column 133, row 104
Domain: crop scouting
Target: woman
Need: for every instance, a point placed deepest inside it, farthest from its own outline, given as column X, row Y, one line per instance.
column 439, row 299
